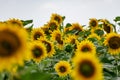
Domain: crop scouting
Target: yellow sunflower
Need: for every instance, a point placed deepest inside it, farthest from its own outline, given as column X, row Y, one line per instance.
column 108, row 28
column 113, row 42
column 45, row 29
column 53, row 25
column 70, row 39
column 87, row 67
column 77, row 27
column 62, row 68
column 37, row 33
column 13, row 46
column 49, row 46
column 15, row 21
column 37, row 51
column 93, row 23
column 57, row 37
column 93, row 35
column 86, row 46
column 57, row 18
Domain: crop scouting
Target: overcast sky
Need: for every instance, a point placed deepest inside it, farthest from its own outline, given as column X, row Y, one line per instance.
column 74, row 10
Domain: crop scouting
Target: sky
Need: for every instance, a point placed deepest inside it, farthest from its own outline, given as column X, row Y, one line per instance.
column 74, row 10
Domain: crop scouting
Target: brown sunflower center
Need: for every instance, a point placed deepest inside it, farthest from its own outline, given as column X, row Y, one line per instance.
column 9, row 43
column 37, row 35
column 86, row 69
column 57, row 19
column 48, row 46
column 93, row 23
column 37, row 52
column 107, row 28
column 58, row 39
column 62, row 69
column 85, row 48
column 114, row 42
column 53, row 26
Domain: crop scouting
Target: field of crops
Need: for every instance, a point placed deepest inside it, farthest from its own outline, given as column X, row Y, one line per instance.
column 59, row 51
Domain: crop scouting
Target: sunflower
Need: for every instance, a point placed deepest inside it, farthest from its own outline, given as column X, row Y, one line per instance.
column 76, row 27
column 93, row 23
column 86, row 46
column 15, row 21
column 57, row 18
column 45, row 29
column 87, row 67
column 37, row 51
column 108, row 28
column 53, row 25
column 37, row 33
column 113, row 42
column 62, row 68
column 70, row 39
column 57, row 37
column 49, row 46
column 93, row 35
column 13, row 42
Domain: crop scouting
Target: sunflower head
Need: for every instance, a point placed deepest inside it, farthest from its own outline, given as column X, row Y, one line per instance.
column 57, row 36
column 113, row 42
column 93, row 23
column 62, row 68
column 93, row 35
column 57, row 18
column 14, row 21
column 86, row 46
column 76, row 27
column 87, row 67
column 49, row 47
column 13, row 42
column 37, row 51
column 108, row 28
column 37, row 33
column 53, row 25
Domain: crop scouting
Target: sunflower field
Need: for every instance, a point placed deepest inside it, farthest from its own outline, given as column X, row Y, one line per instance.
column 58, row 51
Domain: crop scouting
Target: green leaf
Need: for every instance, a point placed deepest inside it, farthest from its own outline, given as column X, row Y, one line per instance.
column 99, row 32
column 26, row 22
column 63, row 18
column 117, row 19
column 68, row 25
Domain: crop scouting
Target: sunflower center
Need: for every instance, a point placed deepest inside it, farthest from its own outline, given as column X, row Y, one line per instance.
column 62, row 69
column 37, row 35
column 93, row 23
column 114, row 42
column 9, row 43
column 53, row 26
column 86, row 69
column 58, row 38
column 48, row 46
column 107, row 28
column 37, row 52
column 57, row 19
column 85, row 49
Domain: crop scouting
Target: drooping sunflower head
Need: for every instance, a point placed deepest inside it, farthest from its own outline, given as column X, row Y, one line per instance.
column 86, row 46
column 37, row 51
column 13, row 43
column 62, row 68
column 57, row 18
column 93, row 23
column 113, row 42
column 37, row 33
column 70, row 39
column 108, row 28
column 53, row 25
column 57, row 37
column 76, row 27
column 93, row 35
column 49, row 47
column 15, row 21
column 87, row 67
